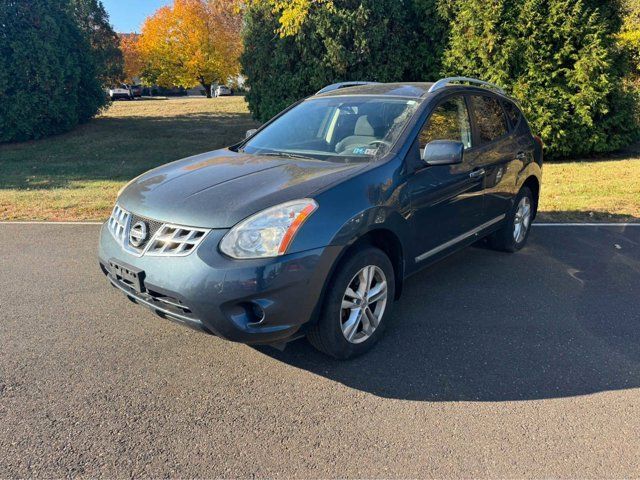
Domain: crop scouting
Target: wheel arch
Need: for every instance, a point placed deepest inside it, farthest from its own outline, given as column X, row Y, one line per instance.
column 533, row 183
column 387, row 241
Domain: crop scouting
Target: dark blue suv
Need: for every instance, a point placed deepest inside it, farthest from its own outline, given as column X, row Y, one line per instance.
column 311, row 225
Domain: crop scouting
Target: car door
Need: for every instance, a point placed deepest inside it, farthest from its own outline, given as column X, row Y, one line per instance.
column 495, row 155
column 446, row 200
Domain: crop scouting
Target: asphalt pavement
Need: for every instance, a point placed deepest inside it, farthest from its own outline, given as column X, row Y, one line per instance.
column 493, row 365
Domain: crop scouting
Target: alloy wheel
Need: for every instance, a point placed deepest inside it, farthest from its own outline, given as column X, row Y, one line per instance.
column 523, row 219
column 363, row 304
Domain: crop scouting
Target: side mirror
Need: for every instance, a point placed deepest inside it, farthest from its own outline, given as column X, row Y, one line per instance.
column 443, row 152
column 250, row 132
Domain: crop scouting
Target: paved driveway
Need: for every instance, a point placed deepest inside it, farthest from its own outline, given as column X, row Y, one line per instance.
column 495, row 365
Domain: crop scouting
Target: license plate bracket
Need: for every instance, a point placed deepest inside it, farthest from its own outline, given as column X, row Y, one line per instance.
column 128, row 274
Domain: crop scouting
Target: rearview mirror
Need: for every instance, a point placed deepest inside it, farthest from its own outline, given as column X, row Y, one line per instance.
column 250, row 132
column 443, row 152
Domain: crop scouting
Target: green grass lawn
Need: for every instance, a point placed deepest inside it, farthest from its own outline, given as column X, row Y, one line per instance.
column 76, row 176
column 598, row 190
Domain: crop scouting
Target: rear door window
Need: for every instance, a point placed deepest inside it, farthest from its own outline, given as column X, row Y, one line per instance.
column 490, row 118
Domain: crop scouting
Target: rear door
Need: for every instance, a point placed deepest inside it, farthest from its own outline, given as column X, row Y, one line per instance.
column 527, row 149
column 446, row 200
column 496, row 154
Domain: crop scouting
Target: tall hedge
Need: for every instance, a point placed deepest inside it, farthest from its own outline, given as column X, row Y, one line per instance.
column 374, row 40
column 560, row 59
column 272, row 64
column 630, row 36
column 48, row 76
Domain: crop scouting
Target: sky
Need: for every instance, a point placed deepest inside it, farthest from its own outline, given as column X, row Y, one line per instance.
column 127, row 16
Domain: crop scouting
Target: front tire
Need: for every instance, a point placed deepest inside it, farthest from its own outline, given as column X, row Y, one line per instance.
column 514, row 233
column 357, row 305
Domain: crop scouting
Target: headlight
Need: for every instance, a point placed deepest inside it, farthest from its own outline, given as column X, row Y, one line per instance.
column 268, row 233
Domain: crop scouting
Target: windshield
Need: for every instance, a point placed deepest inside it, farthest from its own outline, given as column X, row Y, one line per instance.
column 336, row 128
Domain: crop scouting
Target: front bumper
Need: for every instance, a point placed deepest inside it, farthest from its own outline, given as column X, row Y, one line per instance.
column 248, row 301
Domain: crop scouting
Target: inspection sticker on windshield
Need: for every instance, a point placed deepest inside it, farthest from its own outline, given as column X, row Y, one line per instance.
column 364, row 151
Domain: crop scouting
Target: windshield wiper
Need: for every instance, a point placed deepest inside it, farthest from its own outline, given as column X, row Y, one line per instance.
column 287, row 155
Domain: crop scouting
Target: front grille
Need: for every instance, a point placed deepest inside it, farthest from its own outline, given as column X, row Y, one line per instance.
column 119, row 224
column 163, row 239
column 153, row 227
column 175, row 240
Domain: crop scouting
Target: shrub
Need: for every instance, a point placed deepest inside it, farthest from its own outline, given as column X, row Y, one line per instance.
column 274, row 70
column 48, row 77
column 560, row 59
column 373, row 40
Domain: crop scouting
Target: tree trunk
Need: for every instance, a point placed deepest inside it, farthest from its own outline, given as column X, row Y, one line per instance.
column 207, row 88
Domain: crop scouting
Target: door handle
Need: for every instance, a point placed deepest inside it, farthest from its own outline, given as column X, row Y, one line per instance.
column 477, row 173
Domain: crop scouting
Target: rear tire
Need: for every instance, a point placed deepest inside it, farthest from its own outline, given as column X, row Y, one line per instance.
column 357, row 305
column 514, row 233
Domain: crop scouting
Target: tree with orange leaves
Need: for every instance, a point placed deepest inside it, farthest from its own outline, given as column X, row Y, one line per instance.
column 133, row 63
column 192, row 42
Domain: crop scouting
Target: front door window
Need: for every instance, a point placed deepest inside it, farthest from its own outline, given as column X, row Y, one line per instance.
column 449, row 121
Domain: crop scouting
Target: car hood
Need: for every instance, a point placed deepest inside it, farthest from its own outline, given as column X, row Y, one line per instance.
column 220, row 188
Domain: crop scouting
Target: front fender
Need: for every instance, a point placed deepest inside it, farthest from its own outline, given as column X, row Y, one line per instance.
column 373, row 198
column 379, row 218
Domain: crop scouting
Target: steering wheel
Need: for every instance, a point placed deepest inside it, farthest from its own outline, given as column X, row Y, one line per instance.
column 379, row 142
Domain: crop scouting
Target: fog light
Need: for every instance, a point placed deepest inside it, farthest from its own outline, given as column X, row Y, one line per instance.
column 256, row 314
column 246, row 314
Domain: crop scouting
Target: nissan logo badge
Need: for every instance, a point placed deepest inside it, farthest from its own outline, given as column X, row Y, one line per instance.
column 138, row 234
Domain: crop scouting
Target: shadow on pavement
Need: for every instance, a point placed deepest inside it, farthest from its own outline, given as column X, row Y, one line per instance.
column 559, row 319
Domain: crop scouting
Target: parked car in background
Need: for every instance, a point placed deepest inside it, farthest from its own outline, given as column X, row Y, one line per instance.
column 222, row 91
column 136, row 91
column 313, row 223
column 120, row 92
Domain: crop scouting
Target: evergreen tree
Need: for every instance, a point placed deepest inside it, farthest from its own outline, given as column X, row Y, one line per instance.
column 93, row 20
column 560, row 59
column 276, row 75
column 373, row 40
column 48, row 77
column 629, row 39
column 363, row 40
column 428, row 21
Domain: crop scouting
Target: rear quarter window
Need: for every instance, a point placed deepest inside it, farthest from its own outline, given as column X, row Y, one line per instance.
column 513, row 112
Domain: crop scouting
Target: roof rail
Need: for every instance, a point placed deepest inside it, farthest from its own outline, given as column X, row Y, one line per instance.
column 336, row 86
column 446, row 81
